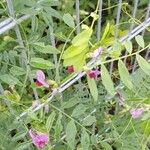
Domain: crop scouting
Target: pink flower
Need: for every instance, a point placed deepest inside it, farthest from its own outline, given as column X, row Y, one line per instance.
column 40, row 79
column 70, row 69
column 136, row 113
column 39, row 139
column 97, row 52
column 94, row 73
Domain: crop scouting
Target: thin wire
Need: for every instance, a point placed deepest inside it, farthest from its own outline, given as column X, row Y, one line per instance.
column 13, row 23
column 99, row 21
column 132, row 23
column 147, row 53
column 20, row 41
column 116, row 29
column 5, row 22
column 78, row 16
column 73, row 79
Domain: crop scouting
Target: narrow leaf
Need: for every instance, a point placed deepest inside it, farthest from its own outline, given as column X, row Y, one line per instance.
column 106, row 31
column 72, row 102
column 85, row 140
column 124, row 74
column 68, row 19
column 106, row 146
column 106, row 80
column 139, row 39
column 89, row 120
column 79, row 110
column 46, row 49
column 50, row 121
column 41, row 63
column 17, row 71
column 71, row 132
column 58, row 127
column 93, row 88
column 10, row 80
column 128, row 46
column 144, row 65
column 82, row 38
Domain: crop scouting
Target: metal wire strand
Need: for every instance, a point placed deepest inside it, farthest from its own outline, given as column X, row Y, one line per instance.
column 116, row 29
column 20, row 41
column 73, row 79
column 99, row 21
column 78, row 16
column 132, row 23
column 147, row 53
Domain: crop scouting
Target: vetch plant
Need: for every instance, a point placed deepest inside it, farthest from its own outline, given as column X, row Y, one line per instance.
column 40, row 79
column 85, row 89
column 40, row 140
column 136, row 113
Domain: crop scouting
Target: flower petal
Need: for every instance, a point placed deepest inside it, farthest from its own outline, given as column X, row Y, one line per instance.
column 40, row 76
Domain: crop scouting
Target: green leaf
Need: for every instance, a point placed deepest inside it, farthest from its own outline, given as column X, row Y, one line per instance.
column 124, row 75
column 82, row 38
column 93, row 88
column 139, row 39
column 23, row 145
column 72, row 102
column 48, row 49
column 74, row 50
column 10, row 80
column 106, row 80
column 106, row 31
column 52, row 12
column 12, row 96
column 144, row 65
column 85, row 140
column 77, row 61
column 116, row 51
column 128, row 46
column 50, row 121
column 79, row 110
column 58, row 127
column 68, row 19
column 89, row 120
column 106, row 146
column 41, row 63
column 71, row 132
column 17, row 71
column 19, row 136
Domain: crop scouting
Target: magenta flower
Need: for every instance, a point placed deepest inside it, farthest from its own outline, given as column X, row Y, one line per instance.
column 97, row 52
column 39, row 139
column 136, row 113
column 70, row 69
column 40, row 79
column 94, row 73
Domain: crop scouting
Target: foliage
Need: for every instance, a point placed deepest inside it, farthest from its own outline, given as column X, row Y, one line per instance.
column 93, row 113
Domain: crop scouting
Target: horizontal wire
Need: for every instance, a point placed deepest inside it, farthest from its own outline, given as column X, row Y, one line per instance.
column 6, row 25
column 5, row 22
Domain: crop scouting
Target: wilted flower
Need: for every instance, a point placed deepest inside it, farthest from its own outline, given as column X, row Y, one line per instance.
column 46, row 108
column 70, row 69
column 39, row 139
column 136, row 113
column 97, row 52
column 35, row 103
column 40, row 79
column 94, row 73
